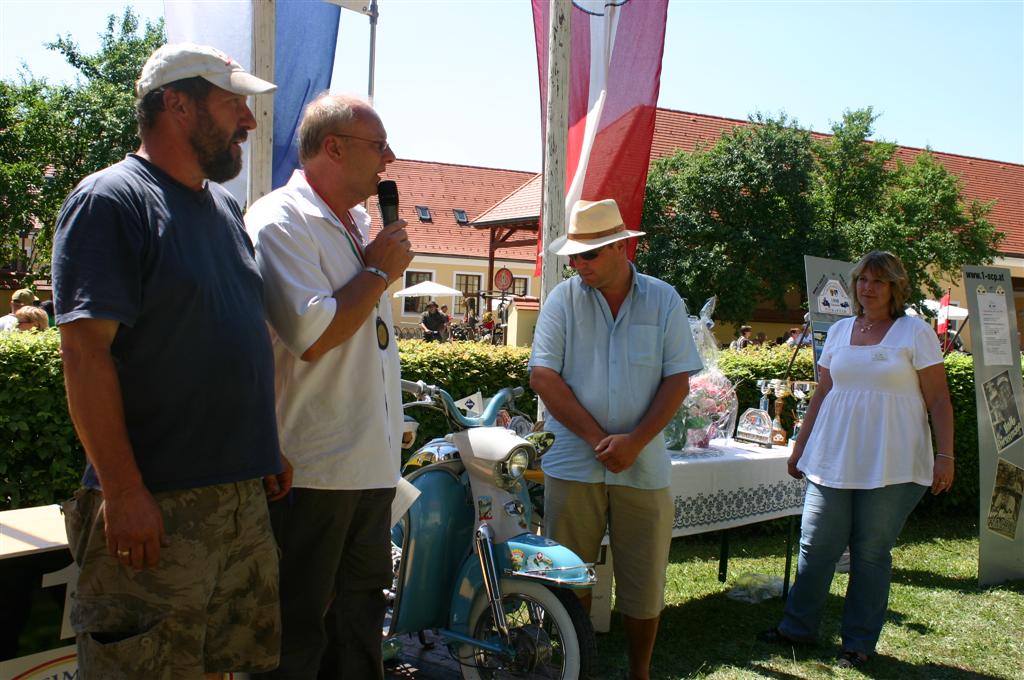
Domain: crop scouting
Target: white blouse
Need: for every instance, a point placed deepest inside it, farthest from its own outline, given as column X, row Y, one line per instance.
column 872, row 428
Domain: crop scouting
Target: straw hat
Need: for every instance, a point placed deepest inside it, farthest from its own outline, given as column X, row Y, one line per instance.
column 592, row 224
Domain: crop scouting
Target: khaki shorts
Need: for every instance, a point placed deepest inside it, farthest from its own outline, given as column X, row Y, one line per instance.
column 211, row 605
column 639, row 523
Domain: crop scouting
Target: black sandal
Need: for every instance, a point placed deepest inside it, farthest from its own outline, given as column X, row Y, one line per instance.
column 849, row 659
column 774, row 636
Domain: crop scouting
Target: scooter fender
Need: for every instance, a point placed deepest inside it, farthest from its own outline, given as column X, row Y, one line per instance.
column 526, row 557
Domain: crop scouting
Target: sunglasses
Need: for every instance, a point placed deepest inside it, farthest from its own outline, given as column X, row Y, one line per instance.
column 588, row 255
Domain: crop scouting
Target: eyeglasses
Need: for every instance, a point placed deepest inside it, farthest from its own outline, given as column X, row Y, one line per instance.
column 381, row 145
column 588, row 255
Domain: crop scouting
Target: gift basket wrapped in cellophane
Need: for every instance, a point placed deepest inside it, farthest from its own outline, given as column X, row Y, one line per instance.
column 709, row 410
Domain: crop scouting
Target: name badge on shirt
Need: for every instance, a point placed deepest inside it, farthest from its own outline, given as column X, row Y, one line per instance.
column 382, row 334
column 879, row 355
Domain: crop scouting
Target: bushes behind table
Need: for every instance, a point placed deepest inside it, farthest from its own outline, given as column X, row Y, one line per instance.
column 41, row 460
column 462, row 368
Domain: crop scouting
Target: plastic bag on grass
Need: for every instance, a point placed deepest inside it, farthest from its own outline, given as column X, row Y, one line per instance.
column 754, row 588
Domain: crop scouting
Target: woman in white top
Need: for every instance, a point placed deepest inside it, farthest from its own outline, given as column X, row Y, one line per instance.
column 866, row 451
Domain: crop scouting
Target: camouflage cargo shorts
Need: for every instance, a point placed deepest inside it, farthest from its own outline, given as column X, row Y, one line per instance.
column 211, row 604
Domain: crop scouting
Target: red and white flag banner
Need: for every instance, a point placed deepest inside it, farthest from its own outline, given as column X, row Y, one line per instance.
column 614, row 79
column 942, row 327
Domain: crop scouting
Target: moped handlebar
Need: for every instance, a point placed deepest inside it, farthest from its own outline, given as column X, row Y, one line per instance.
column 427, row 394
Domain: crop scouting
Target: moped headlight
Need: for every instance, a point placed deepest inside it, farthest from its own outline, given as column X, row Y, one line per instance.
column 509, row 471
column 518, row 461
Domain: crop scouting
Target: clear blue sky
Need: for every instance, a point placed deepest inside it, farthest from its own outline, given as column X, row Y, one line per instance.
column 457, row 81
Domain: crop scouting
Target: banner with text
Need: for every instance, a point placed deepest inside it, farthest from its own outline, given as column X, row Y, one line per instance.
column 1000, row 396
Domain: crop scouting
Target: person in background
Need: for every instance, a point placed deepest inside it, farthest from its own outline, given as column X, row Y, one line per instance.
column 47, row 306
column 760, row 339
column 32, row 318
column 795, row 338
column 170, row 384
column 432, row 323
column 612, row 357
column 744, row 340
column 446, row 332
column 20, row 298
column 866, row 451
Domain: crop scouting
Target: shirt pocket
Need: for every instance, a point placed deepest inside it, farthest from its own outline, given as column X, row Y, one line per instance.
column 644, row 349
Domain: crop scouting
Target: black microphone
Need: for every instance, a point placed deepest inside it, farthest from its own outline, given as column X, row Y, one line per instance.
column 387, row 199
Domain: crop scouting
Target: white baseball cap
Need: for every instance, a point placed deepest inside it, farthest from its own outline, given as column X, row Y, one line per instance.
column 178, row 61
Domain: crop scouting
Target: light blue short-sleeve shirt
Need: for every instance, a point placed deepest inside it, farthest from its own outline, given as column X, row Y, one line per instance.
column 614, row 366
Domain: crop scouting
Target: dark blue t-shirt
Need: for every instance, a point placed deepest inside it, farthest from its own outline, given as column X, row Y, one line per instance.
column 175, row 267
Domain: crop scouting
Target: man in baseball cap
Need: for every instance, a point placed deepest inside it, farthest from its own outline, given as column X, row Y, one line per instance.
column 160, row 308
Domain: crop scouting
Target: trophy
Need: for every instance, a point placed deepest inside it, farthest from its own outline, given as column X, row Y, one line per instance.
column 766, row 389
column 755, row 425
column 803, row 390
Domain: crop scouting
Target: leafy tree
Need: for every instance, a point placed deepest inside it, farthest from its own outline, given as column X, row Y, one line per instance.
column 736, row 219
column 708, row 214
column 52, row 136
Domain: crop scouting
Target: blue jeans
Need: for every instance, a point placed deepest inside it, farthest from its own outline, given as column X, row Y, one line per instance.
column 869, row 521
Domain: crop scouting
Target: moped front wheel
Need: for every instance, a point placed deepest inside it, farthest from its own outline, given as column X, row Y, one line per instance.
column 549, row 631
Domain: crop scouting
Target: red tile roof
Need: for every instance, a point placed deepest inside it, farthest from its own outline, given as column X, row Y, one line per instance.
column 984, row 180
column 443, row 187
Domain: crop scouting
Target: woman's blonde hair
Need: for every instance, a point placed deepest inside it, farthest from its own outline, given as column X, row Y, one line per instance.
column 887, row 267
column 34, row 316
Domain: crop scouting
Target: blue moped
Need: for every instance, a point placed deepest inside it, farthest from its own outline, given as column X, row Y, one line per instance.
column 467, row 565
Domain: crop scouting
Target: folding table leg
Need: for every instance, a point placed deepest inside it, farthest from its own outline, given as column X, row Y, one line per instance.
column 723, row 556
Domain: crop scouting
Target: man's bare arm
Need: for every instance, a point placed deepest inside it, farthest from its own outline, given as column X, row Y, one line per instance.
column 132, row 518
column 389, row 252
column 560, row 401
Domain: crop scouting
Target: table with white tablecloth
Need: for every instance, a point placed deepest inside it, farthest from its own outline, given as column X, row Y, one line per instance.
column 731, row 484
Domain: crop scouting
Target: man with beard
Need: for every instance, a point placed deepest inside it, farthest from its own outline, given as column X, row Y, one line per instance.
column 169, row 374
column 339, row 401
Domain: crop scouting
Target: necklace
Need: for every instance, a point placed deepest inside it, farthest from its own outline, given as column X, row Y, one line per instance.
column 866, row 326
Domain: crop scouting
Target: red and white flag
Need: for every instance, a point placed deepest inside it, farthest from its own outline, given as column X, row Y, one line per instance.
column 942, row 327
column 614, row 78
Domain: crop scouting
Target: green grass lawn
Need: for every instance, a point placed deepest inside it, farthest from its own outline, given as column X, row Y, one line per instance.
column 940, row 623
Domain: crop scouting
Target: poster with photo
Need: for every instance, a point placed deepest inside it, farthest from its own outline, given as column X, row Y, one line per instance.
column 1004, row 512
column 1002, row 410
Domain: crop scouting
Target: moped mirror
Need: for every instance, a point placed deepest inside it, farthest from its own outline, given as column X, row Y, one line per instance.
column 541, row 441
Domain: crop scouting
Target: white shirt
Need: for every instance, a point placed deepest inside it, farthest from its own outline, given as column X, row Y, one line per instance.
column 872, row 429
column 340, row 416
column 8, row 322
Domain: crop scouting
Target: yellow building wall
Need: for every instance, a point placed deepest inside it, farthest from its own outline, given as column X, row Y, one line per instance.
column 444, row 270
column 521, row 324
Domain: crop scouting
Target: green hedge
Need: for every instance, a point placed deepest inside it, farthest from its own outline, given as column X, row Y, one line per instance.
column 41, row 459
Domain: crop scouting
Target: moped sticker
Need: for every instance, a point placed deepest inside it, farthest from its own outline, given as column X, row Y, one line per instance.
column 484, row 507
column 542, row 561
column 518, row 556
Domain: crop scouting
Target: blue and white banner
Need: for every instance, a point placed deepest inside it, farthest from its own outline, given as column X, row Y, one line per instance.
column 306, row 36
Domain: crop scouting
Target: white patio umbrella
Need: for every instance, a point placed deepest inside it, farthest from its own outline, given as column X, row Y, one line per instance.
column 955, row 313
column 427, row 289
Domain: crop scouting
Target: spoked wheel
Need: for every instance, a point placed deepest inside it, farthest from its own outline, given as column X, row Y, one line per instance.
column 551, row 636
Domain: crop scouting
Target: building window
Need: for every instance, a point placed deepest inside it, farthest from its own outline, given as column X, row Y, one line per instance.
column 469, row 284
column 519, row 285
column 415, row 305
column 460, row 216
column 423, row 212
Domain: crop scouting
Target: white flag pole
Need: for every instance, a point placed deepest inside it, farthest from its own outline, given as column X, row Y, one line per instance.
column 261, row 144
column 556, row 131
